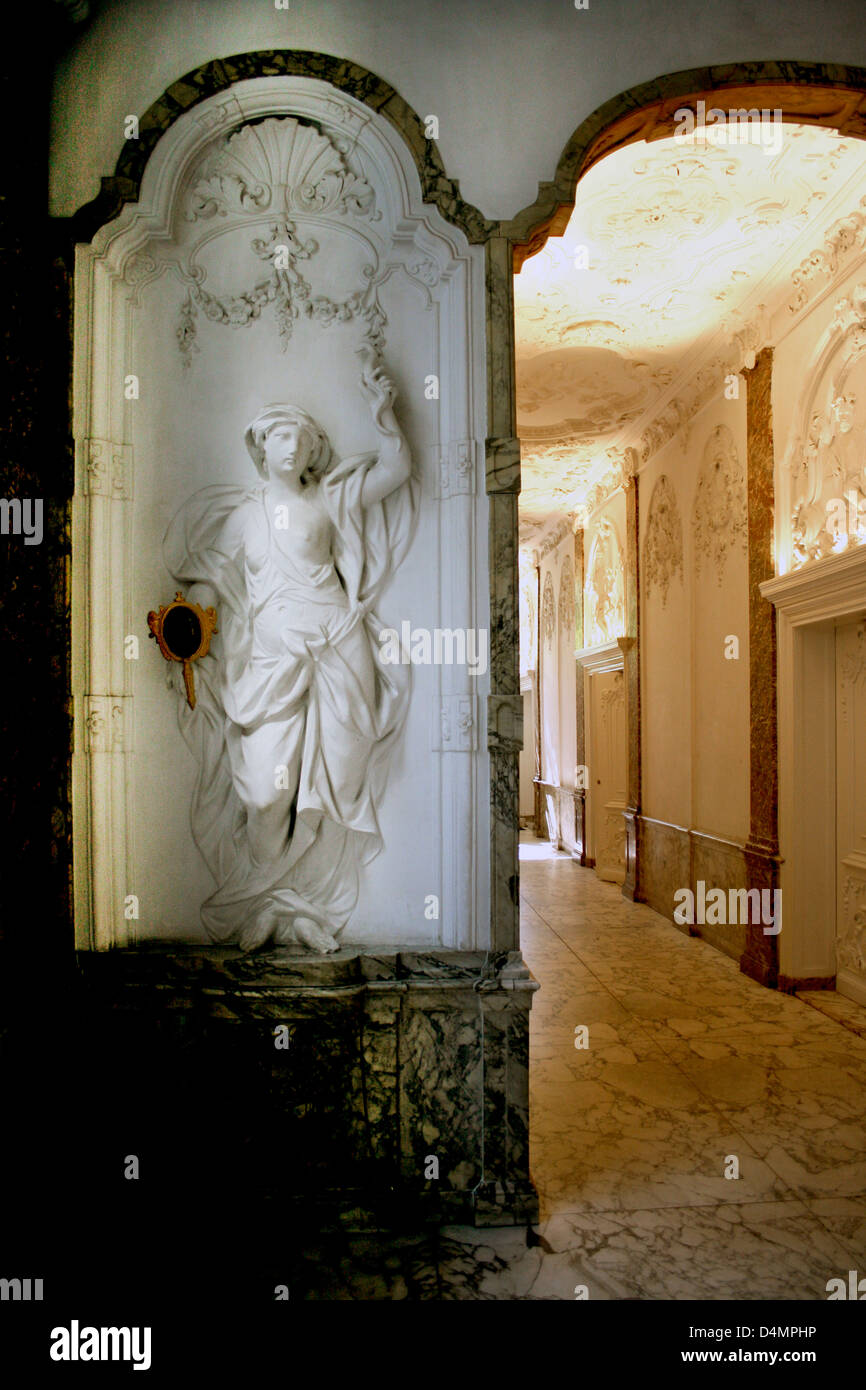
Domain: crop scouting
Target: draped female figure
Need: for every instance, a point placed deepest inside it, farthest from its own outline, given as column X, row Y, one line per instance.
column 296, row 714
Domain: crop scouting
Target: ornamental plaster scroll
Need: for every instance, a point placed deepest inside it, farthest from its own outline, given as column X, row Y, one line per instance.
column 824, row 467
column 456, row 468
column 747, row 334
column 842, row 240
column 613, row 839
column 854, row 664
column 598, row 389
column 566, row 601
column 852, row 667
column 108, row 723
column 851, row 931
column 719, row 518
column 555, row 537
column 279, row 165
column 663, row 547
column 528, row 634
column 622, row 466
column 605, row 586
column 611, row 730
column 527, row 616
column 108, row 469
column 676, row 415
column 532, row 626
column 612, row 699
column 548, row 611
column 289, row 172
column 454, row 724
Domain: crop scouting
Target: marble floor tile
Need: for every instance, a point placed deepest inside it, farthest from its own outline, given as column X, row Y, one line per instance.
column 751, row 1251
column 836, row 1007
column 692, row 1015
column 488, row 1265
column 813, row 1156
column 845, row 1218
column 613, row 1038
column 638, row 1156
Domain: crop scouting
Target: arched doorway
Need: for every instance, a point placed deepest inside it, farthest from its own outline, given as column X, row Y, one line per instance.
column 810, row 96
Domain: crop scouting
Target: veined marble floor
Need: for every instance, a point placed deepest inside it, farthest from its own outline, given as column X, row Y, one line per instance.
column 689, row 1065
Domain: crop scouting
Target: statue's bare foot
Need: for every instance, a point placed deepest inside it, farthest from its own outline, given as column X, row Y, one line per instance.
column 256, row 932
column 311, row 934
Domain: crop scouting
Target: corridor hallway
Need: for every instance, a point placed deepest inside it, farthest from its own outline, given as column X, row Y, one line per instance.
column 688, row 1061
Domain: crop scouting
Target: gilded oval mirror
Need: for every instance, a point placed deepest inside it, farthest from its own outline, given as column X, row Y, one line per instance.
column 183, row 631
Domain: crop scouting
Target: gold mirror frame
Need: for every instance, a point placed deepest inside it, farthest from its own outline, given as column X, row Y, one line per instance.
column 206, row 618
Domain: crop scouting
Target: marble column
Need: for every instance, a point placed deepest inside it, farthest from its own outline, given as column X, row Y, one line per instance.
column 760, row 958
column 505, row 707
column 631, row 666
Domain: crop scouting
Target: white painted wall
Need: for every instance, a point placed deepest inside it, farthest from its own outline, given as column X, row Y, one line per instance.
column 695, row 702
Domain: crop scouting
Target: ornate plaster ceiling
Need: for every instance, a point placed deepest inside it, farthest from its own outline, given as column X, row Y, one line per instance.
column 671, row 250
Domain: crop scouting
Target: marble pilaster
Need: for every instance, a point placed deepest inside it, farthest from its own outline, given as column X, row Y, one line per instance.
column 503, row 487
column 760, row 955
column 631, row 887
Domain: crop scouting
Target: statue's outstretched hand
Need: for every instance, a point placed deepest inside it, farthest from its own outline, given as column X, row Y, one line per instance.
column 378, row 387
column 380, row 391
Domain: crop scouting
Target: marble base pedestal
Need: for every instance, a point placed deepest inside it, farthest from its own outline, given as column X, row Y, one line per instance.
column 401, row 1093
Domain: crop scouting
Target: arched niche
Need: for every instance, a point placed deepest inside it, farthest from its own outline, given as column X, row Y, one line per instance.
column 184, row 327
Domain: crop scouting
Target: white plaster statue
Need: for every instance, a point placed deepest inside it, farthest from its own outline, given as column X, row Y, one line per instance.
column 295, row 714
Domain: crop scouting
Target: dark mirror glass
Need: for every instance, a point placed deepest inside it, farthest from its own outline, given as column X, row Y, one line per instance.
column 181, row 632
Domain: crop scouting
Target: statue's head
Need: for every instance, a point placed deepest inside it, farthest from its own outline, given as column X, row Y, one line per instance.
column 313, row 444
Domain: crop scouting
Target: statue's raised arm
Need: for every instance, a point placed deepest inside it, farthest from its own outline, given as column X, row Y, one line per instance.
column 394, row 464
